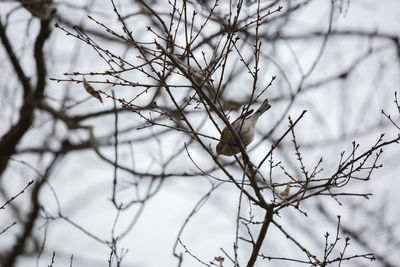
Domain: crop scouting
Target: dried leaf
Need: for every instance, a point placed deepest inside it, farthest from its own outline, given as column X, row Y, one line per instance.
column 91, row 90
column 287, row 190
column 219, row 259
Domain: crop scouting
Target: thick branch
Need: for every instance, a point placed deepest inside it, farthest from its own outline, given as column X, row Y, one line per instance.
column 261, row 236
column 14, row 61
column 10, row 140
column 28, row 226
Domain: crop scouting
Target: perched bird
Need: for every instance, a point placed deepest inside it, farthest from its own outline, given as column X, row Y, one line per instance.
column 245, row 127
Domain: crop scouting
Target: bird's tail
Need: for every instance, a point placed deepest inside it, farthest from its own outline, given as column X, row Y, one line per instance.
column 264, row 107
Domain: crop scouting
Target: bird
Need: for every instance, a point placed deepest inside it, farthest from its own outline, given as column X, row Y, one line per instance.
column 245, row 127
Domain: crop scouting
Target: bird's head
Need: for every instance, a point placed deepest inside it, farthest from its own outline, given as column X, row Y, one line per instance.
column 219, row 148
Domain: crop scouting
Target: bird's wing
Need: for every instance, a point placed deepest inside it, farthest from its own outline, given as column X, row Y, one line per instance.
column 244, row 115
